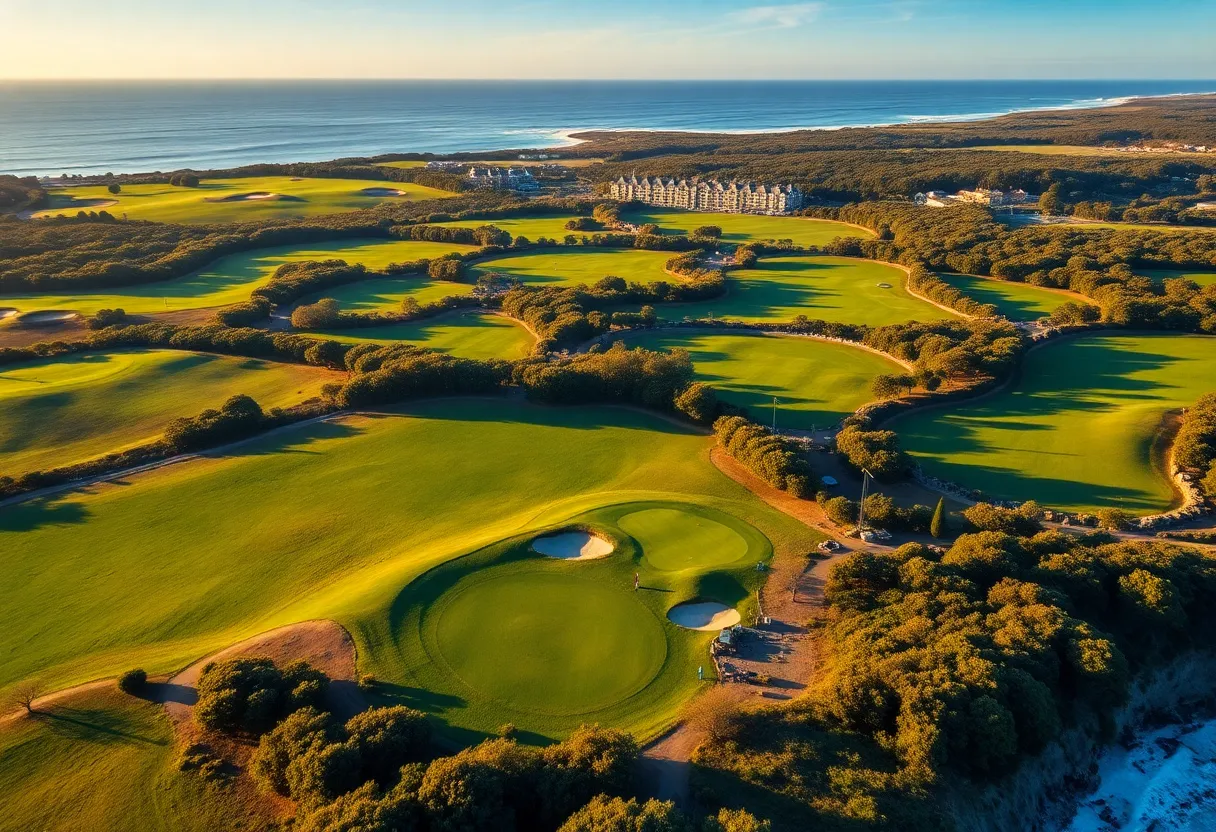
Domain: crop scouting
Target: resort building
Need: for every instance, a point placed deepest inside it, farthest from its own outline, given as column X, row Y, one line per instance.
column 711, row 195
column 513, row 179
column 980, row 196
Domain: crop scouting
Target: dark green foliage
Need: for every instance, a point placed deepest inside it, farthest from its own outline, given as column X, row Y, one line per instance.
column 617, row 375
column 387, row 738
column 133, row 682
column 244, row 314
column 290, row 739
column 394, row 374
column 107, row 317
column 876, row 451
column 294, row 280
column 252, row 695
column 240, row 416
column 1023, row 520
column 1195, row 444
column 776, row 460
column 699, row 402
column 446, row 269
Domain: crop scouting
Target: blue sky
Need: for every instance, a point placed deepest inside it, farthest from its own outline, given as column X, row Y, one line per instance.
column 608, row 39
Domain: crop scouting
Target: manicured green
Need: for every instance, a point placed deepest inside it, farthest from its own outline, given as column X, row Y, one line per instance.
column 506, row 634
column 675, row 540
column 570, row 266
column 225, row 200
column 1078, row 429
column 1202, row 278
column 817, row 383
column 230, row 279
column 465, row 334
column 550, row 227
column 1016, row 301
column 748, row 228
column 331, row 520
column 77, row 407
column 104, row 760
column 841, row 289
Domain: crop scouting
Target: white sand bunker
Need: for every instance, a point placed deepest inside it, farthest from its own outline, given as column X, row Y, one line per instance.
column 703, row 615
column 49, row 317
column 573, row 546
column 7, row 312
column 381, row 192
column 884, row 285
column 254, row 195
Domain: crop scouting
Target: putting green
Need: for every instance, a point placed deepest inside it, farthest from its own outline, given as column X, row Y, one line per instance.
column 572, row 645
column 386, row 498
column 73, row 408
column 245, row 199
column 817, row 383
column 1078, row 430
column 747, row 228
column 465, row 334
column 572, row 266
column 839, row 289
column 230, row 279
column 1016, row 301
column 674, row 540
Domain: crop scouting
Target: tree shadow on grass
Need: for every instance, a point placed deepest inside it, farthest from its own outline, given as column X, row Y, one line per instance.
column 46, row 511
column 95, row 725
column 510, row 411
column 297, row 439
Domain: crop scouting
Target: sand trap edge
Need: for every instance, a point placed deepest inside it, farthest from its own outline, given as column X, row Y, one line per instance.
column 575, row 545
column 703, row 615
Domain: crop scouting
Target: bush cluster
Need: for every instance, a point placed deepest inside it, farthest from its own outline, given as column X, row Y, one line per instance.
column 251, row 695
column 775, row 459
column 876, row 451
column 616, row 375
column 1195, row 445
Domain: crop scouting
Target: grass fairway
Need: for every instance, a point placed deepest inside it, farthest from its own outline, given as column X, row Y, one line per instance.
column 817, row 383
column 552, row 227
column 104, row 760
column 1077, row 432
column 839, row 289
column 465, row 334
column 506, row 634
column 384, row 294
column 247, row 199
column 229, row 279
column 1202, row 278
column 746, row 228
column 77, row 407
column 572, row 266
column 327, row 520
column 1016, row 301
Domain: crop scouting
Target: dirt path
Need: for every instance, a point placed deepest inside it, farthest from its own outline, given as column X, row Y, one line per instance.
column 780, row 649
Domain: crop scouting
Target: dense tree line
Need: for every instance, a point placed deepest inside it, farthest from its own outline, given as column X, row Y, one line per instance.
column 956, row 349
column 778, row 461
column 951, row 666
column 614, row 376
column 19, row 193
column 924, row 282
column 1195, row 445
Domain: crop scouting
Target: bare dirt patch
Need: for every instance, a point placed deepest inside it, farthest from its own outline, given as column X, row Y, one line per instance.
column 573, row 546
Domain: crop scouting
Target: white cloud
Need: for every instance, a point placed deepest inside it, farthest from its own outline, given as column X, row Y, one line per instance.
column 779, row 17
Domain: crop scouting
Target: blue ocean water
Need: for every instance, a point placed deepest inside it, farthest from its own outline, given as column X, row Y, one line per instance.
column 94, row 127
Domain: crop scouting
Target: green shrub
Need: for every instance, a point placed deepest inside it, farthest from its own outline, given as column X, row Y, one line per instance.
column 133, row 682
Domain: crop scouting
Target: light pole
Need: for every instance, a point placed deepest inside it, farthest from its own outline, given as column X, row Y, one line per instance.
column 861, row 508
column 774, row 414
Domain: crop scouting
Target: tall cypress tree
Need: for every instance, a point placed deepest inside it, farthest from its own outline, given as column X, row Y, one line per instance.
column 937, row 526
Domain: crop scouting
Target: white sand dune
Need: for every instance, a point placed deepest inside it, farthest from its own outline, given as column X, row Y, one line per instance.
column 703, row 615
column 573, row 546
column 47, row 317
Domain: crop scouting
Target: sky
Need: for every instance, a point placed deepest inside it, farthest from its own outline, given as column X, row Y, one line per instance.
column 634, row 39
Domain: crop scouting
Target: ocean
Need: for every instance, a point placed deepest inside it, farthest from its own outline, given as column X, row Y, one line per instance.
column 48, row 128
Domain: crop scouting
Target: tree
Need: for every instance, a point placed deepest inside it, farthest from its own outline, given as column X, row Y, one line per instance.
column 132, row 682
column 324, row 313
column 114, row 188
column 887, row 386
column 25, row 694
column 604, row 814
column 388, row 738
column 736, row 820
column 710, row 231
column 290, row 739
column 1050, row 203
column 698, row 402
column 937, row 526
column 1113, row 519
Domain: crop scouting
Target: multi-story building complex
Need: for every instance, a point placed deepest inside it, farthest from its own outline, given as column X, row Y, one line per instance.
column 708, row 195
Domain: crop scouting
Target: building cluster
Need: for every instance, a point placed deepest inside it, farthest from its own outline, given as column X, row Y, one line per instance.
column 708, row 195
column 511, row 179
column 980, row 196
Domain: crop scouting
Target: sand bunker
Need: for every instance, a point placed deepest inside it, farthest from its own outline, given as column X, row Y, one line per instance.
column 254, row 195
column 45, row 318
column 573, row 546
column 381, row 192
column 7, row 312
column 703, row 615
